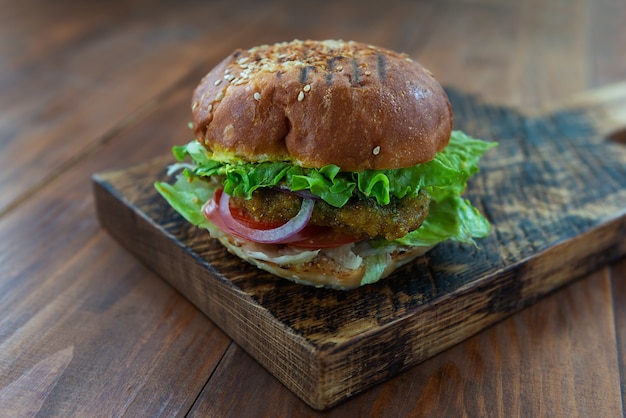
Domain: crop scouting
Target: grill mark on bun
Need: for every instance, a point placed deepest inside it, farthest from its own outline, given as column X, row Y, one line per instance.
column 304, row 73
column 381, row 66
column 329, row 78
column 356, row 72
column 331, row 69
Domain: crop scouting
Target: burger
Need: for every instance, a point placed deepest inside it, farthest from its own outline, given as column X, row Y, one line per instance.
column 327, row 163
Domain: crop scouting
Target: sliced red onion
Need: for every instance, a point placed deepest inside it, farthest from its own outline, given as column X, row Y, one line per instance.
column 269, row 236
column 305, row 194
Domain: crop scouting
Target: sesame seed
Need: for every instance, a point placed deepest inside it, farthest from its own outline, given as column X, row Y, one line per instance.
column 257, row 96
column 227, row 71
column 376, row 150
column 340, row 68
column 218, row 81
column 209, row 108
column 195, row 105
column 307, row 88
column 219, row 96
column 368, row 72
column 229, row 77
column 300, row 96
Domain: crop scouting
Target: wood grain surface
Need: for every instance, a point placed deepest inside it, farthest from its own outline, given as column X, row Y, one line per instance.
column 101, row 335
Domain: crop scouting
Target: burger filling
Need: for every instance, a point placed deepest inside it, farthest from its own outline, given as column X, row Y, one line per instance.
column 283, row 213
column 360, row 218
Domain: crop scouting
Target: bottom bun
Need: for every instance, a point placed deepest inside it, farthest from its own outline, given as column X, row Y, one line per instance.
column 341, row 268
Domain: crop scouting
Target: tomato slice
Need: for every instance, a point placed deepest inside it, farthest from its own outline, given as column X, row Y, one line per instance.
column 242, row 217
column 311, row 237
column 315, row 236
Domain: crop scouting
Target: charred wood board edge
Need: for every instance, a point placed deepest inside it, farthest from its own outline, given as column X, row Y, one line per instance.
column 327, row 346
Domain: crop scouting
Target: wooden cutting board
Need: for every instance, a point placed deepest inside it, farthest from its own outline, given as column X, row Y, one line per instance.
column 554, row 191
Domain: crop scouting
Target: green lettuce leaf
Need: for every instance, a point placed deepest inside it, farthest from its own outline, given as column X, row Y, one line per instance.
column 327, row 183
column 446, row 175
column 374, row 268
column 187, row 196
column 454, row 219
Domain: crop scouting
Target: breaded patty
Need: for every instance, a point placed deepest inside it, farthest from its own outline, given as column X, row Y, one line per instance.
column 362, row 218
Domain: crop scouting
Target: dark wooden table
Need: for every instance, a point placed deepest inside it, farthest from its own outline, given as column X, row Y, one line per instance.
column 87, row 330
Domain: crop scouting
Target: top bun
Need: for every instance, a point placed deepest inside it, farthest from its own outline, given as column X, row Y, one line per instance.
column 315, row 103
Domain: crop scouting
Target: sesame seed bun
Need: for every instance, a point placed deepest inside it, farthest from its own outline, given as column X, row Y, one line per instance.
column 322, row 102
